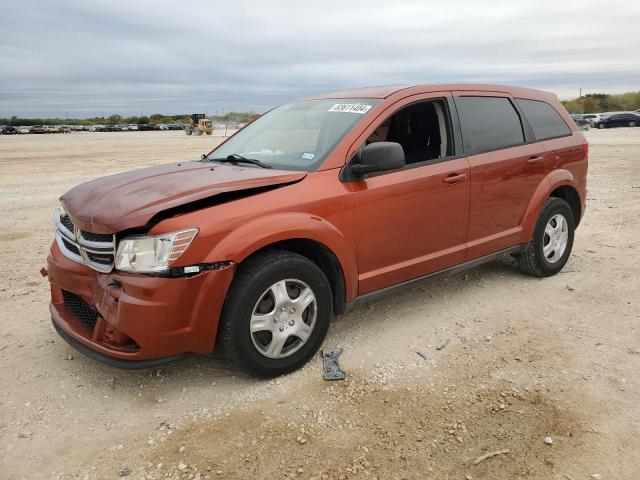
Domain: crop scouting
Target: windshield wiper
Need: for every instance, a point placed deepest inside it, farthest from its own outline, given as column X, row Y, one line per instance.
column 234, row 158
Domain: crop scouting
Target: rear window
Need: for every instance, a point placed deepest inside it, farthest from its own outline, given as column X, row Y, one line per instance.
column 545, row 121
column 489, row 123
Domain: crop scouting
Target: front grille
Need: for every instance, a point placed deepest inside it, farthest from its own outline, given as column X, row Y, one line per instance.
column 71, row 247
column 96, row 250
column 80, row 309
column 66, row 221
column 96, row 237
column 100, row 258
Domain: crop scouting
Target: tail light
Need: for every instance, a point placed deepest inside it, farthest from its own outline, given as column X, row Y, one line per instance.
column 585, row 148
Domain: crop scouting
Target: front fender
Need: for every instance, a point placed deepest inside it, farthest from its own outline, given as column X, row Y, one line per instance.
column 252, row 236
column 556, row 178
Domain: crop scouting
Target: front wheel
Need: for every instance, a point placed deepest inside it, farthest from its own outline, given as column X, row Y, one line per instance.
column 601, row 126
column 276, row 315
column 552, row 240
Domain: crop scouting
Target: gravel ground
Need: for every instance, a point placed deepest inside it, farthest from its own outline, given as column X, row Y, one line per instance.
column 526, row 359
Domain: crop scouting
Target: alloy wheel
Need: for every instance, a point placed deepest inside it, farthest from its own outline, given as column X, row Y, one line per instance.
column 555, row 239
column 283, row 318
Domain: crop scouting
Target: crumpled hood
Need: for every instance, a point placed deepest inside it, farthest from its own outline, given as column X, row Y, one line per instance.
column 130, row 199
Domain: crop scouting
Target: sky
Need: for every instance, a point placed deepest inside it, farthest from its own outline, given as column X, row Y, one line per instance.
column 88, row 58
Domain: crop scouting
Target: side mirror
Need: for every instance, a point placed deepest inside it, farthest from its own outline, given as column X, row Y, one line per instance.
column 379, row 157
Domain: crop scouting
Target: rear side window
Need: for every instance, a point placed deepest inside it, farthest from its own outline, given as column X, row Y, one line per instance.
column 489, row 123
column 545, row 121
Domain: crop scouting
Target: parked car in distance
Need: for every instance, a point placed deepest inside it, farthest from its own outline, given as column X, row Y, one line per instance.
column 591, row 117
column 39, row 129
column 581, row 121
column 24, row 130
column 64, row 129
column 8, row 130
column 144, row 127
column 252, row 248
column 619, row 120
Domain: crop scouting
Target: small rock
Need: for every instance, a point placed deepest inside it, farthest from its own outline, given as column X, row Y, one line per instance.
column 596, row 476
column 548, row 440
column 125, row 471
column 301, row 440
column 182, row 466
column 69, row 357
column 182, row 449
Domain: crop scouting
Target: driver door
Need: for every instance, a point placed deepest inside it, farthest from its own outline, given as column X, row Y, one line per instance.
column 413, row 221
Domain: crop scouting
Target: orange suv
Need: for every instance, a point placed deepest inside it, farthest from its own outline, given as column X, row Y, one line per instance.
column 316, row 205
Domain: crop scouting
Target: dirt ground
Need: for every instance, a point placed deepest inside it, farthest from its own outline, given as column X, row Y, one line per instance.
column 526, row 358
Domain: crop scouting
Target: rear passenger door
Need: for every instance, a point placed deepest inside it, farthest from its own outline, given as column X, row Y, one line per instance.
column 506, row 167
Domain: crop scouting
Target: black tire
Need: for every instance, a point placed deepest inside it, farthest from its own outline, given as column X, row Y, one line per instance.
column 532, row 261
column 253, row 277
column 601, row 126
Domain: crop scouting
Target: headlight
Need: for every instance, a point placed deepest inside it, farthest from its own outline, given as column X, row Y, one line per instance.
column 152, row 254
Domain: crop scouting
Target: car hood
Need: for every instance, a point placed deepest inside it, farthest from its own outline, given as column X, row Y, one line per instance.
column 131, row 199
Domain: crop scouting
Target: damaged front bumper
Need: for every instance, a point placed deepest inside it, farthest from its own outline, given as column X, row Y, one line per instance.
column 132, row 320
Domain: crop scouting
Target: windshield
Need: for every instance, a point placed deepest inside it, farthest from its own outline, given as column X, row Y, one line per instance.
column 298, row 135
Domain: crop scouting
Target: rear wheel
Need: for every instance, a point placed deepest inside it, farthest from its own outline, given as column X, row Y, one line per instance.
column 276, row 315
column 632, row 124
column 188, row 131
column 552, row 240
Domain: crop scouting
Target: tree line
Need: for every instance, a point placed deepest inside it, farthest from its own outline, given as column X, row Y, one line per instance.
column 601, row 102
column 157, row 118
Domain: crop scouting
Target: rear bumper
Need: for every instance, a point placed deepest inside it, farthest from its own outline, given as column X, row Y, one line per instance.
column 138, row 318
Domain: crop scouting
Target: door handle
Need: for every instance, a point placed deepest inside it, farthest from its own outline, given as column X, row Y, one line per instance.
column 534, row 160
column 454, row 177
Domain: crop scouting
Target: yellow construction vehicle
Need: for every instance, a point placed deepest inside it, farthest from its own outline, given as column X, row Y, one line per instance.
column 198, row 125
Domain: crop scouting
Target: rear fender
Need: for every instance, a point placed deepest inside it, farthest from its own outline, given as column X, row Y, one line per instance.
column 556, row 178
column 252, row 236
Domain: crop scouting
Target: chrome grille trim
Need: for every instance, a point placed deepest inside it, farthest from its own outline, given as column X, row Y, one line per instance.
column 75, row 238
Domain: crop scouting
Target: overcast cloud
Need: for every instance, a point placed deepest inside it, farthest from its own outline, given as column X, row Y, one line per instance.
column 86, row 58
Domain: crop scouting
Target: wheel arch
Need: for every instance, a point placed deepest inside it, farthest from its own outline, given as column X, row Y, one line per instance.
column 305, row 234
column 570, row 195
column 322, row 256
column 560, row 184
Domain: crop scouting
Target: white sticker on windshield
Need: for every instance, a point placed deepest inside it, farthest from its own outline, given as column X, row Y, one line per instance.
column 307, row 156
column 350, row 108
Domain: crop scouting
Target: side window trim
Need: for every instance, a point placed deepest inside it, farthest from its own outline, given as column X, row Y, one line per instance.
column 527, row 131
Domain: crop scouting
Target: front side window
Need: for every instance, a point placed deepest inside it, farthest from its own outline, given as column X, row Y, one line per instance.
column 488, row 123
column 298, row 135
column 545, row 121
column 423, row 129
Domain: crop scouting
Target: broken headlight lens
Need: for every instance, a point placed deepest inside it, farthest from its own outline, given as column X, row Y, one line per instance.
column 146, row 254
